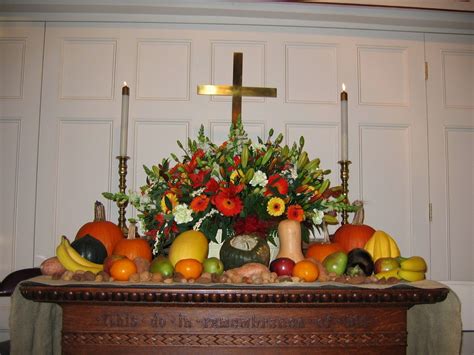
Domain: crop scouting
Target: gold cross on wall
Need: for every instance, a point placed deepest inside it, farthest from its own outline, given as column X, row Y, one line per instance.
column 236, row 90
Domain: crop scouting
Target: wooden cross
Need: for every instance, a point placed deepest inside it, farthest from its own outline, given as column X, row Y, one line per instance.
column 236, row 90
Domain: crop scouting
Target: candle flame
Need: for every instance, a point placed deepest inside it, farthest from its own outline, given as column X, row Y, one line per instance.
column 343, row 87
column 124, row 83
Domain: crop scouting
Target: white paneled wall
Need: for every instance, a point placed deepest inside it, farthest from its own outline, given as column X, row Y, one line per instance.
column 21, row 54
column 410, row 139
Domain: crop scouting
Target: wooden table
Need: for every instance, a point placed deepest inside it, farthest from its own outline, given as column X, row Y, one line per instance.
column 193, row 319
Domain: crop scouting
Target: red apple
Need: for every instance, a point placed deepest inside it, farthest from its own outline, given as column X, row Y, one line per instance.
column 110, row 260
column 282, row 266
column 385, row 264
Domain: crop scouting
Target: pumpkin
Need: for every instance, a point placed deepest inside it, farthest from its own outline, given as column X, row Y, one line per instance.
column 108, row 233
column 319, row 250
column 133, row 247
column 243, row 249
column 90, row 248
column 356, row 234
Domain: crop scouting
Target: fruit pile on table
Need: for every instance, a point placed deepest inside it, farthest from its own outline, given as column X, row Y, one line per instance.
column 101, row 253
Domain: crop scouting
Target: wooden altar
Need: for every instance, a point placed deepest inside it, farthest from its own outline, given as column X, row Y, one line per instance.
column 220, row 319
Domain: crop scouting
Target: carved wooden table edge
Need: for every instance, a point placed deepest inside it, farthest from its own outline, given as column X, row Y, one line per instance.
column 399, row 295
column 219, row 319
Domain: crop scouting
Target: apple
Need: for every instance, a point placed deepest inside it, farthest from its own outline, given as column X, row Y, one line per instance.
column 162, row 265
column 282, row 266
column 108, row 262
column 386, row 264
column 213, row 266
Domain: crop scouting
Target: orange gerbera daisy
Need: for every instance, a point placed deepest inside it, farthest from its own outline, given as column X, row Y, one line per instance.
column 295, row 212
column 199, row 203
column 227, row 201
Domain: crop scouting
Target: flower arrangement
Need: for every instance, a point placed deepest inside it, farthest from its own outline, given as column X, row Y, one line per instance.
column 237, row 187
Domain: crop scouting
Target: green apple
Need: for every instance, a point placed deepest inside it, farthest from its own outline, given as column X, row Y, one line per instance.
column 213, row 266
column 163, row 266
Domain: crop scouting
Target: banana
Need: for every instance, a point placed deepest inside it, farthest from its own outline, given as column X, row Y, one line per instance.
column 411, row 275
column 78, row 258
column 414, row 263
column 388, row 274
column 69, row 263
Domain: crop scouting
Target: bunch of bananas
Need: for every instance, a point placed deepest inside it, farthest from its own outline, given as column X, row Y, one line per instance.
column 409, row 269
column 72, row 260
column 412, row 269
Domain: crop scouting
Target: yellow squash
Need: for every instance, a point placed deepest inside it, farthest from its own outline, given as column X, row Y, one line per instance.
column 189, row 245
column 381, row 245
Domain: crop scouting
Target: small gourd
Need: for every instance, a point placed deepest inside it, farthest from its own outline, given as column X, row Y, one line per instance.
column 243, row 249
column 90, row 248
column 133, row 247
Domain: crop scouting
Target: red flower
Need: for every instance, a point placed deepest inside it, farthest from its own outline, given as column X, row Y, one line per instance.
column 228, row 205
column 199, row 203
column 227, row 201
column 160, row 218
column 277, row 182
column 252, row 225
column 198, row 179
column 295, row 212
column 212, row 186
column 173, row 229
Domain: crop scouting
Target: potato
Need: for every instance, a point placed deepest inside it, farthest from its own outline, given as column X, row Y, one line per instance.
column 52, row 266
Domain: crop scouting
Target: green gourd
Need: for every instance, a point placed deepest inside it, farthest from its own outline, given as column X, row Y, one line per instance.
column 243, row 249
column 90, row 248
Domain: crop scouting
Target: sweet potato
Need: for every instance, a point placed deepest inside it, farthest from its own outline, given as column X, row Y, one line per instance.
column 248, row 271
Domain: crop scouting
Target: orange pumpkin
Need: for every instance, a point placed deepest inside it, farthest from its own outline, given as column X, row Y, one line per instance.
column 356, row 234
column 133, row 247
column 319, row 250
column 107, row 232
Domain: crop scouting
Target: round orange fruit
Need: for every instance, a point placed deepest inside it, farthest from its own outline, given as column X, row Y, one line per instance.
column 306, row 270
column 122, row 269
column 189, row 268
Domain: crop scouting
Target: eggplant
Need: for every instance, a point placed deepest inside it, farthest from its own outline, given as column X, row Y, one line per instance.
column 359, row 262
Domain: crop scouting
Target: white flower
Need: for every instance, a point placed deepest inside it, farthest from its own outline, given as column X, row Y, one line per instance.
column 134, row 197
column 144, row 200
column 294, row 172
column 317, row 217
column 197, row 192
column 258, row 146
column 182, row 214
column 259, row 179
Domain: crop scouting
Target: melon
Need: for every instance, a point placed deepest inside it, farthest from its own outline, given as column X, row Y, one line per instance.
column 189, row 245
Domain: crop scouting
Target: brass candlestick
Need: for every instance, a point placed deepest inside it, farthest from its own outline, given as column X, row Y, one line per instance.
column 122, row 205
column 345, row 186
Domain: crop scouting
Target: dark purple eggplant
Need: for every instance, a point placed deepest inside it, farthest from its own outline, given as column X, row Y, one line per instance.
column 359, row 262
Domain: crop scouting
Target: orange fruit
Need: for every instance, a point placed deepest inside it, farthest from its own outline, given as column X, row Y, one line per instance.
column 319, row 251
column 122, row 269
column 306, row 270
column 189, row 268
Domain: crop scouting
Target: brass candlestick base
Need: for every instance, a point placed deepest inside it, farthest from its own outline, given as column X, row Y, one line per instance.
column 345, row 186
column 122, row 205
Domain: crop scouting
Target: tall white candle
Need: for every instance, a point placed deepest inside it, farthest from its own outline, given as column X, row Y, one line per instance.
column 344, row 126
column 124, row 123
